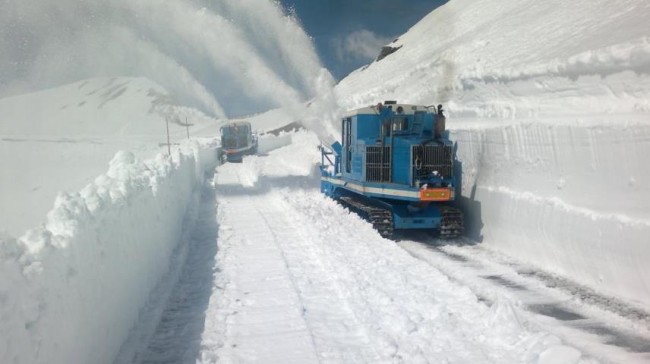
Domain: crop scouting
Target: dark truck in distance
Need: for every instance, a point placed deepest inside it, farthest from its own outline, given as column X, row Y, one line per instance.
column 237, row 140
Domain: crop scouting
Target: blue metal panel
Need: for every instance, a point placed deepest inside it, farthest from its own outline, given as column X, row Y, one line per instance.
column 327, row 188
column 368, row 128
column 401, row 161
column 337, row 148
column 406, row 218
column 357, row 166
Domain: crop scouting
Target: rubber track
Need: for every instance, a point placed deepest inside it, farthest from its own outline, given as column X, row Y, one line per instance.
column 380, row 218
column 452, row 225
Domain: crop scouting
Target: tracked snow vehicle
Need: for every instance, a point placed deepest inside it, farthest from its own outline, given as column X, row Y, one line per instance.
column 395, row 167
column 237, row 140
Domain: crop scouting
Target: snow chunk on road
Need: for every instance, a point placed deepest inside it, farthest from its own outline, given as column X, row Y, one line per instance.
column 560, row 355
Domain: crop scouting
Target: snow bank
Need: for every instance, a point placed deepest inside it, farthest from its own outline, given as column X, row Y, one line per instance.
column 571, row 199
column 71, row 290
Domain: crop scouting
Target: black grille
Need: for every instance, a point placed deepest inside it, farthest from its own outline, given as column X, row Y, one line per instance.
column 378, row 164
column 429, row 158
column 229, row 143
column 234, row 141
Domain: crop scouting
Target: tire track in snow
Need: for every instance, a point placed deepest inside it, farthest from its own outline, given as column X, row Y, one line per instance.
column 178, row 334
column 586, row 322
column 279, row 268
column 256, row 313
column 338, row 334
column 407, row 309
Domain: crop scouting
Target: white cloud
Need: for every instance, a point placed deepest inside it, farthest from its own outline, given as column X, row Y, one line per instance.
column 360, row 45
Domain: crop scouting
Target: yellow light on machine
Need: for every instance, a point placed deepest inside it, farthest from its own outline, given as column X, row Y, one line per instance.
column 435, row 194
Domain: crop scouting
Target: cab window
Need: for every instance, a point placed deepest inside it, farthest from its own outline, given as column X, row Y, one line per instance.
column 400, row 124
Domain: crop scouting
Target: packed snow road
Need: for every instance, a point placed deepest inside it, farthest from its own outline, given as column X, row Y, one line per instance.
column 600, row 326
column 299, row 280
column 277, row 273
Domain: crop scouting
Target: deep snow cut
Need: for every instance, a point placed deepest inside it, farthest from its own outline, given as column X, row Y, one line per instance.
column 548, row 102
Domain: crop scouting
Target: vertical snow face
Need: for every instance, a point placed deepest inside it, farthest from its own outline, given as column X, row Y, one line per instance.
column 570, row 199
column 223, row 57
column 71, row 290
column 548, row 102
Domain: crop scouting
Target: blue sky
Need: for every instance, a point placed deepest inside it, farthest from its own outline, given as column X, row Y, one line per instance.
column 349, row 34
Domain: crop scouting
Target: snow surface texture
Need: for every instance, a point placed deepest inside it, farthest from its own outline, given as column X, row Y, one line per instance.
column 550, row 105
column 71, row 291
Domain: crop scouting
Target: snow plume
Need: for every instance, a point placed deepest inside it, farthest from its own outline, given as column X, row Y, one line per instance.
column 71, row 290
column 323, row 113
column 360, row 45
column 224, row 57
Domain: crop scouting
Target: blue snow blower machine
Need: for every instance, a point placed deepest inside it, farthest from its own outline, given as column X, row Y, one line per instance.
column 237, row 140
column 395, row 168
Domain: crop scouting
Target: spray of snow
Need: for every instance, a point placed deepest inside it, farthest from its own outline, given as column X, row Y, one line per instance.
column 223, row 57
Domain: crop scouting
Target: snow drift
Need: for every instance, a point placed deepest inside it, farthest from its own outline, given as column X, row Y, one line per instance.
column 71, row 290
column 549, row 103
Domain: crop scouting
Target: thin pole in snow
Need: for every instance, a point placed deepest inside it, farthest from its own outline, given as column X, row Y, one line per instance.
column 169, row 146
column 187, row 126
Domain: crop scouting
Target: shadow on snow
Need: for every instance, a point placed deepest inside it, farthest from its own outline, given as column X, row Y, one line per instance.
column 178, row 335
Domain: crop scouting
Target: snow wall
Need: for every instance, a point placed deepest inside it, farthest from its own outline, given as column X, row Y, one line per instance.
column 570, row 199
column 71, row 291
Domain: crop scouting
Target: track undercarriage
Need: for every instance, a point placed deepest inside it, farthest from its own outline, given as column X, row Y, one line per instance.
column 452, row 225
column 381, row 218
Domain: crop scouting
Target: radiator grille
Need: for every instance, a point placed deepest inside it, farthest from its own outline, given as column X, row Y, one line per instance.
column 229, row 142
column 429, row 158
column 378, row 164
